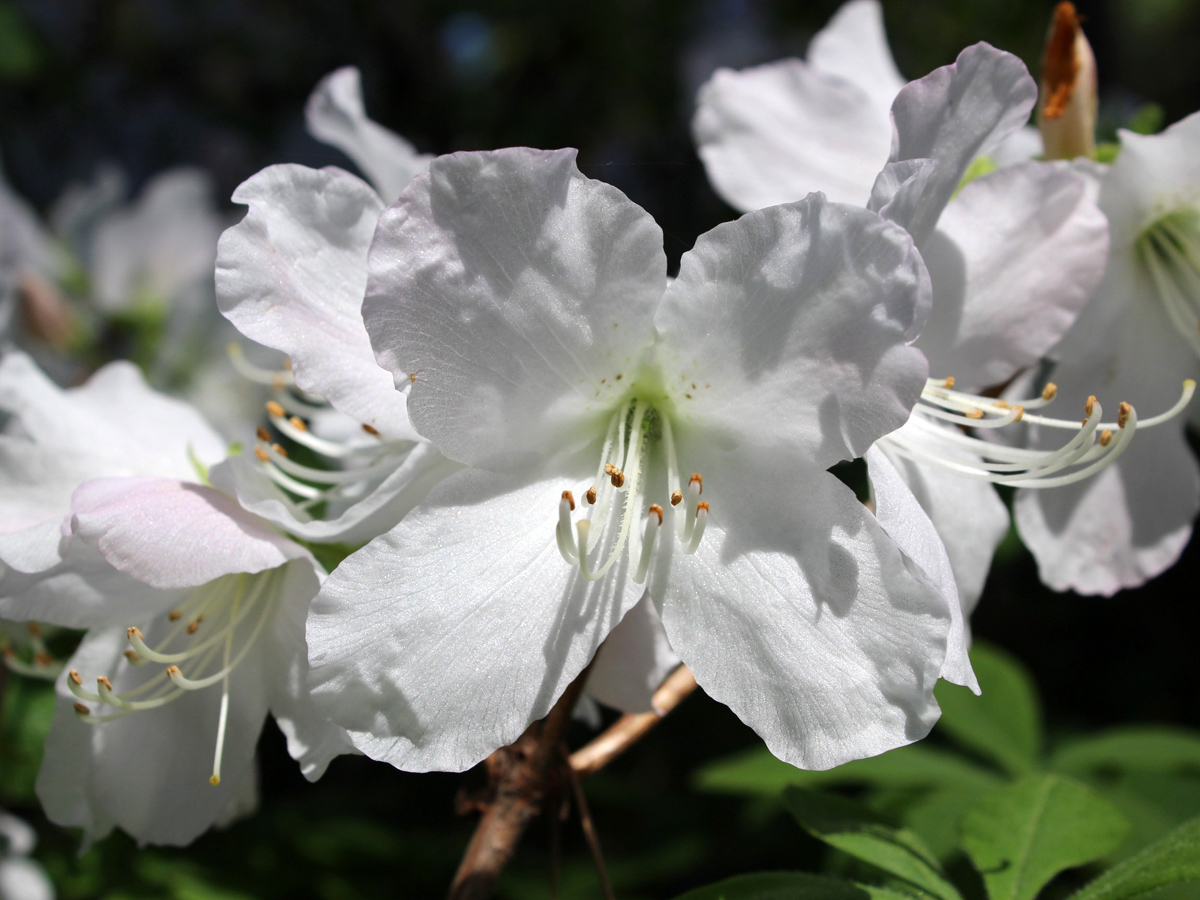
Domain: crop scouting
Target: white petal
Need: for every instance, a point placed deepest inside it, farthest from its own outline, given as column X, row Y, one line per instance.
column 442, row 640
column 790, row 327
column 349, row 523
column 901, row 516
column 1130, row 522
column 24, row 879
column 775, row 133
column 147, row 773
column 634, row 660
column 115, row 418
column 1015, row 256
column 160, row 246
column 799, row 613
column 82, row 591
column 312, row 739
column 172, row 534
column 854, row 46
column 335, row 115
column 519, row 294
column 291, row 275
column 1021, row 146
column 1153, row 175
column 953, row 115
column 970, row 519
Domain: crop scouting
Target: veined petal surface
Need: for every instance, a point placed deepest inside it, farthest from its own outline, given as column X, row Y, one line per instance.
column 802, row 617
column 792, row 324
column 517, row 296
column 442, row 640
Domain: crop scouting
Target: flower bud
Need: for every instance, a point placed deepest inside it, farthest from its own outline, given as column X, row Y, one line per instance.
column 1067, row 105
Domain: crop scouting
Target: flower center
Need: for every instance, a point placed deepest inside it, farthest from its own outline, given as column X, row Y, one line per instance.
column 926, row 439
column 1170, row 251
column 612, row 509
column 201, row 644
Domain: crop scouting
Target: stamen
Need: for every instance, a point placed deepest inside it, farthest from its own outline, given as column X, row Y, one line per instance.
column 298, row 423
column 262, row 434
column 254, row 373
column 591, row 496
column 370, row 429
column 1093, row 447
column 676, row 497
column 654, row 518
column 275, row 410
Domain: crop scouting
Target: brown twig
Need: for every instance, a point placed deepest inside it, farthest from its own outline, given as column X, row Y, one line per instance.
column 521, row 777
column 589, row 830
column 631, row 727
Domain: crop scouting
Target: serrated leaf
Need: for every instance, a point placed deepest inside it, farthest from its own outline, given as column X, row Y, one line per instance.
column 1135, row 749
column 1004, row 723
column 778, row 886
column 1022, row 835
column 757, row 773
column 1173, row 860
column 869, row 837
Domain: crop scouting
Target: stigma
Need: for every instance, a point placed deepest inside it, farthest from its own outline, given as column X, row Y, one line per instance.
column 202, row 644
column 1094, row 445
column 612, row 524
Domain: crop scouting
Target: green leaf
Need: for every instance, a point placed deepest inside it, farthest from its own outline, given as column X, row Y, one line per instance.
column 867, row 836
column 1004, row 724
column 779, row 886
column 1173, row 860
column 1107, row 152
column 1147, row 119
column 936, row 818
column 757, row 773
column 1022, row 835
column 1133, row 749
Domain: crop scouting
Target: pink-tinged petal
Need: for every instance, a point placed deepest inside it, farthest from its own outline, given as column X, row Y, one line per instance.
column 442, row 640
column 854, row 46
column 904, row 518
column 953, row 115
column 800, row 614
column 115, row 418
column 519, row 296
column 775, row 133
column 291, row 276
column 173, row 534
column 82, row 591
column 634, row 660
column 335, row 115
column 1005, row 292
column 789, row 328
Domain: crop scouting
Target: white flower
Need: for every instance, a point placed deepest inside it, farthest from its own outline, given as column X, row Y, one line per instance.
column 773, row 133
column 1135, row 340
column 292, row 276
column 196, row 607
column 1012, row 256
column 524, row 306
column 20, row 877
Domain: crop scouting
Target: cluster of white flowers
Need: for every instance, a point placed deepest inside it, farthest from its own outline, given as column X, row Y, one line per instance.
column 552, row 458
